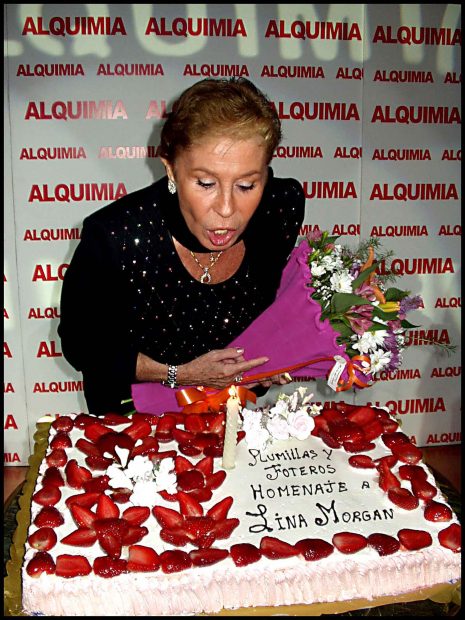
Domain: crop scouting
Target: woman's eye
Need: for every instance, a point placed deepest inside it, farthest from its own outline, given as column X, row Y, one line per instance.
column 246, row 188
column 205, row 185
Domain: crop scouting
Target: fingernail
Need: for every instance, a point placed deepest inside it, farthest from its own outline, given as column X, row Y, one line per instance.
column 240, row 350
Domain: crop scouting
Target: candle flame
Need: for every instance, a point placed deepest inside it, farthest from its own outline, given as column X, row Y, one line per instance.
column 233, row 391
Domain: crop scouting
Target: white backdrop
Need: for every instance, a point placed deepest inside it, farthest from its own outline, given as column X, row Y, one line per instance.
column 369, row 97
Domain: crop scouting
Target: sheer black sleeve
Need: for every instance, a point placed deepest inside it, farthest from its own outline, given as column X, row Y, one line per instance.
column 94, row 326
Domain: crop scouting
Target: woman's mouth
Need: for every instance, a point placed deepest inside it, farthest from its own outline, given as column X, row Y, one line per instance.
column 220, row 236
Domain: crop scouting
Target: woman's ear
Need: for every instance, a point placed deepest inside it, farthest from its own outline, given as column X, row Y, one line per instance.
column 168, row 168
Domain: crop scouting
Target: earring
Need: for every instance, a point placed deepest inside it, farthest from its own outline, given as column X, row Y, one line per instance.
column 171, row 186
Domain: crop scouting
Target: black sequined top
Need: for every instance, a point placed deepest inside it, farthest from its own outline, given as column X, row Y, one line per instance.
column 126, row 290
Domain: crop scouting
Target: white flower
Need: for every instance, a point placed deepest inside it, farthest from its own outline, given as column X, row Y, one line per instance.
column 364, row 343
column 300, row 424
column 278, row 427
column 341, row 282
column 165, row 476
column 379, row 359
column 258, row 439
column 302, row 391
column 145, row 493
column 118, row 477
column 378, row 336
column 280, row 408
column 315, row 409
column 140, row 468
column 317, row 270
column 252, row 420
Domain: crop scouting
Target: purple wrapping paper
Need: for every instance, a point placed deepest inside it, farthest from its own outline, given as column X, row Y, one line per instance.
column 288, row 332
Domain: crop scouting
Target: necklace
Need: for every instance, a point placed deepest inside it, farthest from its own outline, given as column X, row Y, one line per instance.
column 206, row 276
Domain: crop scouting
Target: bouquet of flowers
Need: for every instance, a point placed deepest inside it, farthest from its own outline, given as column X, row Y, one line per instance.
column 369, row 316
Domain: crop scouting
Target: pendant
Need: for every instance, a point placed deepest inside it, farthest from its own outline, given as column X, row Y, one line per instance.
column 205, row 278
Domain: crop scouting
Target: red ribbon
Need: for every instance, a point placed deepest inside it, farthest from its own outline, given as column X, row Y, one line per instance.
column 201, row 400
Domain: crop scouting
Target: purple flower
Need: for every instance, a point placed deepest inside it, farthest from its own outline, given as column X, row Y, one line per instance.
column 407, row 304
column 314, row 236
column 365, row 290
column 360, row 318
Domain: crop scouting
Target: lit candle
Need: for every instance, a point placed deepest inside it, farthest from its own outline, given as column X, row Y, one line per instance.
column 230, row 435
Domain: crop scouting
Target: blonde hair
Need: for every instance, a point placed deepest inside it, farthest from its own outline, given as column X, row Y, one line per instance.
column 233, row 107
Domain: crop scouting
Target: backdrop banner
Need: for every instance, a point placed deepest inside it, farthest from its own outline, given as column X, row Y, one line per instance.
column 369, row 98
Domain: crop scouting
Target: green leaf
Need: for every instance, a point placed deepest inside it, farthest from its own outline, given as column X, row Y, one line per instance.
column 363, row 276
column 407, row 325
column 341, row 328
column 395, row 294
column 385, row 316
column 341, row 302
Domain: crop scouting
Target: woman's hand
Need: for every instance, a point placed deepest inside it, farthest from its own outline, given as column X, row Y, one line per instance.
column 217, row 369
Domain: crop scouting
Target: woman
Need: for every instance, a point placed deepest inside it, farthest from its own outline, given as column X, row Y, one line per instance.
column 164, row 278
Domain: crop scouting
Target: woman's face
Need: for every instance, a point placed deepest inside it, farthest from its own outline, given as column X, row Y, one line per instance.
column 220, row 182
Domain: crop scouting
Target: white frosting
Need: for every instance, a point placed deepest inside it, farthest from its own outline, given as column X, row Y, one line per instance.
column 294, row 489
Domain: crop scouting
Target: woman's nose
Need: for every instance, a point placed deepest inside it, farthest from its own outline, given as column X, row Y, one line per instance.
column 225, row 205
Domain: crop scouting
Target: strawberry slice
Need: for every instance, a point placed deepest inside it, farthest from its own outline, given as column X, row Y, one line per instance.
column 332, row 415
column 165, row 454
column 142, row 559
column 349, row 542
column 213, row 481
column 174, row 561
column 219, row 511
column 83, row 419
column 387, row 480
column 383, row 543
column 407, row 453
column 169, row 497
column 403, row 498
column 189, row 506
column 99, row 484
column 136, row 515
column 61, row 441
column 215, row 451
column 205, row 465
column 72, row 565
column 396, row 438
column 43, row 539
column 41, row 562
column 328, row 439
column 112, row 545
column 274, row 549
column 373, row 430
column 362, row 415
column 82, row 537
column 451, row 537
column 196, row 527
column 437, row 511
column 165, row 427
column 138, row 430
column 83, row 516
column 192, row 479
column 206, row 557
column 314, row 548
column 344, row 408
column 245, row 553
column 167, row 517
column 49, row 516
column 87, row 447
column 408, row 472
column 359, row 446
column 83, row 499
column 109, row 441
column 98, row 462
column 76, row 475
column 121, row 496
column 47, row 496
column 388, row 461
column 175, row 537
column 346, row 431
column 189, row 450
column 146, row 417
column 63, row 423
column 361, row 461
column 224, row 529
column 182, row 436
column 57, row 458
column 109, row 567
column 201, row 441
column 195, row 423
column 414, row 539
column 217, row 424
column 106, row 508
column 201, row 495
column 134, row 534
column 389, row 426
column 182, row 464
column 149, row 447
column 423, row 489
column 53, row 477
column 114, row 419
column 96, row 430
